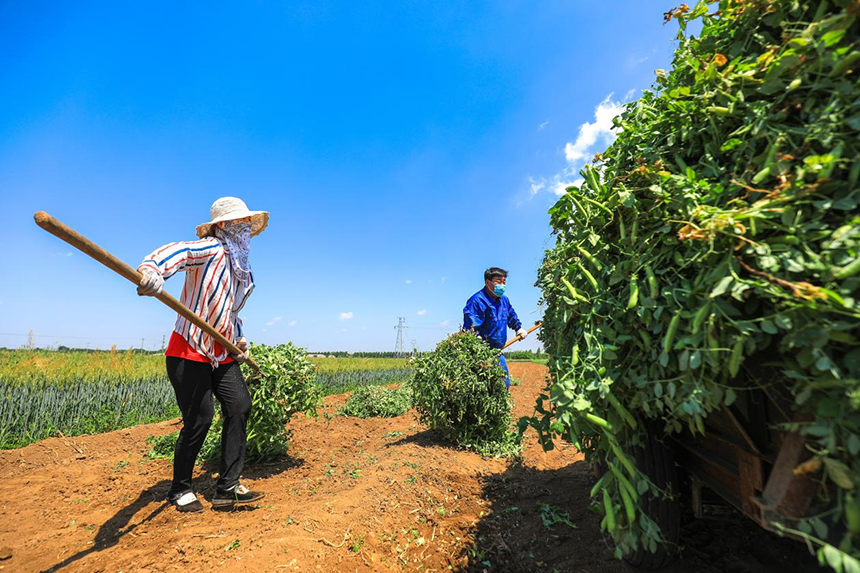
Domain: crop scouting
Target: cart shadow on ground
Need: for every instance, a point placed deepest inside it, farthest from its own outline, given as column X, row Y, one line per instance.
column 522, row 532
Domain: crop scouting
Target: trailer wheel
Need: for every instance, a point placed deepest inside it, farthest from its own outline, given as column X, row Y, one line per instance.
column 656, row 460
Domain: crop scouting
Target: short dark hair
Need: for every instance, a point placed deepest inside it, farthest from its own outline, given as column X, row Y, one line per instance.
column 494, row 272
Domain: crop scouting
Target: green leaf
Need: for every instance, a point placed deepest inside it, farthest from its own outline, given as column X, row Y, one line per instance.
column 722, row 286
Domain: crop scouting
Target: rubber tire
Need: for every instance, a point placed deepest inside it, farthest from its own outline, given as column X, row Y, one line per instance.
column 657, row 461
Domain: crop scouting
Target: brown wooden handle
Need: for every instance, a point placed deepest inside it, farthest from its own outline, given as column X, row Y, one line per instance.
column 86, row 246
column 517, row 338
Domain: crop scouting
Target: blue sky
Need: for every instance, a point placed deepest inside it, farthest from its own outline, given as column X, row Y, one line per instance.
column 400, row 147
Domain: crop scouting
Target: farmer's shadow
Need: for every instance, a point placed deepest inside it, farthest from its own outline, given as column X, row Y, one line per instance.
column 117, row 526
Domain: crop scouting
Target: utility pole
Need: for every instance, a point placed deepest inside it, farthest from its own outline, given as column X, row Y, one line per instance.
column 398, row 346
column 141, row 343
column 162, row 342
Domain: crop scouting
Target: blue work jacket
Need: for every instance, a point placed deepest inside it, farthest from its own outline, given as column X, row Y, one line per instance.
column 490, row 316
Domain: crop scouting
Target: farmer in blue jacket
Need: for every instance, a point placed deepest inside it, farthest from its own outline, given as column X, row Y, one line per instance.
column 489, row 313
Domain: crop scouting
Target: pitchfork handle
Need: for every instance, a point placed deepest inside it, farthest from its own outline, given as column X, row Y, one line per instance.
column 530, row 330
column 86, row 246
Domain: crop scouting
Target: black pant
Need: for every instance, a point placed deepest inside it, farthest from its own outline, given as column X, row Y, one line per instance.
column 194, row 383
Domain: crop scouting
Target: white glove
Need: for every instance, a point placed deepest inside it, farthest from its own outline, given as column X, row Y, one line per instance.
column 151, row 283
column 522, row 333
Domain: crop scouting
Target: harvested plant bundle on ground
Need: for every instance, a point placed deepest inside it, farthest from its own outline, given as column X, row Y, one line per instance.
column 377, row 402
column 459, row 389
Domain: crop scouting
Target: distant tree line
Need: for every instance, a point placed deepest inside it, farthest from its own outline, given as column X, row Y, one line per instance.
column 526, row 355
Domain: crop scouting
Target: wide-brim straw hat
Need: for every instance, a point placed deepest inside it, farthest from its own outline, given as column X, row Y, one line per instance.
column 229, row 209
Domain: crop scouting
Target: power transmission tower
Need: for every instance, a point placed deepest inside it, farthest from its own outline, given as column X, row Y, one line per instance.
column 162, row 341
column 31, row 340
column 399, row 349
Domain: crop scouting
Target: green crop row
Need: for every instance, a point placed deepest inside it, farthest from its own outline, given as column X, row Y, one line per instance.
column 32, row 412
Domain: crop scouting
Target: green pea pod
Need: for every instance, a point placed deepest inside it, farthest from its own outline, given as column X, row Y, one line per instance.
column 624, row 481
column 679, row 260
column 624, row 459
column 852, row 514
column 597, row 420
column 622, row 411
column 719, row 110
column 597, row 266
column 670, row 332
column 599, row 485
column 699, row 317
column 628, row 506
column 573, row 292
column 646, row 338
column 634, row 293
column 845, row 64
column 737, row 354
column 634, row 231
column 610, row 512
column 622, row 232
column 761, row 175
column 574, row 358
column 653, row 287
column 848, row 270
column 578, row 206
column 593, row 180
column 588, row 276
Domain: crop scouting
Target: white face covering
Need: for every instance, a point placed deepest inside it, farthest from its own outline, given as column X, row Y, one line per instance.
column 237, row 235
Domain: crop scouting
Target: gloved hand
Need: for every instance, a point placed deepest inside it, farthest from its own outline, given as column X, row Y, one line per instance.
column 151, row 283
column 241, row 358
column 522, row 333
column 242, row 343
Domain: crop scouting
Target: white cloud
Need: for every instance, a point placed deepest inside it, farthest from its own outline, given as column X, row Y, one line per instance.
column 69, row 254
column 590, row 133
column 444, row 279
column 293, row 323
column 409, row 281
column 275, row 321
column 346, row 315
column 592, row 136
column 543, row 125
column 445, row 323
column 422, row 312
column 536, row 185
column 343, row 330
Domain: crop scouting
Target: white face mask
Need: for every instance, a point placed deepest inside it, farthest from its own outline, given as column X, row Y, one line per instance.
column 237, row 235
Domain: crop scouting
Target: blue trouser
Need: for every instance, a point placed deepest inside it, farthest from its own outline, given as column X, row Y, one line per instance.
column 504, row 364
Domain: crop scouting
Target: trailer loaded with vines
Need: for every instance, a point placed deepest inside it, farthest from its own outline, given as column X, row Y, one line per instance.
column 701, row 311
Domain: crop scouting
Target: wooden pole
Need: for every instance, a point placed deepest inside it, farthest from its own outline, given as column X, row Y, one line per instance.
column 518, row 338
column 86, row 246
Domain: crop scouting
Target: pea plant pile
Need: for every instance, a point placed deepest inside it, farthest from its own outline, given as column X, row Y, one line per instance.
column 459, row 390
column 284, row 386
column 720, row 230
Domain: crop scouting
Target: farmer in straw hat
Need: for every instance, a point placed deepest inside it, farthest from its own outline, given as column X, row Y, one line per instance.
column 218, row 282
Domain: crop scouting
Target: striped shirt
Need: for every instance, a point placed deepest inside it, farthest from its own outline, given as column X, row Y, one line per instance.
column 210, row 291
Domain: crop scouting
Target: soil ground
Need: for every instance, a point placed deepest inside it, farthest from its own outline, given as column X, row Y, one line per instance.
column 354, row 495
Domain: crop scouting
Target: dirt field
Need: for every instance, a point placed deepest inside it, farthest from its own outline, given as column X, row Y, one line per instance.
column 355, row 495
